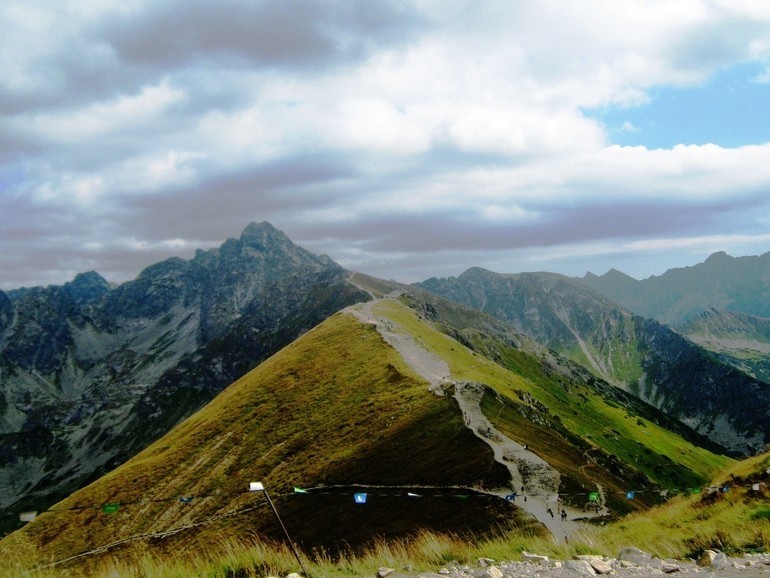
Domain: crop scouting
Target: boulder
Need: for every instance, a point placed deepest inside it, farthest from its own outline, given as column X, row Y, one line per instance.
column 533, row 558
column 492, row 572
column 712, row 559
column 635, row 556
column 669, row 568
column 581, row 567
column 384, row 571
column 600, row 566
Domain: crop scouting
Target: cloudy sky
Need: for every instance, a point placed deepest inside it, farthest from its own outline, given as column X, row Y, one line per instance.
column 403, row 139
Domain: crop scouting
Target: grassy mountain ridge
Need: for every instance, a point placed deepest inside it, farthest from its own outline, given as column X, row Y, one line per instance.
column 566, row 402
column 323, row 411
column 340, row 407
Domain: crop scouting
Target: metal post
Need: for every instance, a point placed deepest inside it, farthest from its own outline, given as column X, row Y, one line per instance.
column 286, row 533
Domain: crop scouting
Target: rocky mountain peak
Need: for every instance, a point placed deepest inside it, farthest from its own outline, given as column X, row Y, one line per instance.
column 263, row 235
column 717, row 257
column 86, row 287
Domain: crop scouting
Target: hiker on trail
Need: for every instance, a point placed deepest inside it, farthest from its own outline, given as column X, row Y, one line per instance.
column 563, row 515
column 550, row 511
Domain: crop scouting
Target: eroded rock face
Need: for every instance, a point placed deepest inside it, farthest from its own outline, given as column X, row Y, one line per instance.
column 91, row 373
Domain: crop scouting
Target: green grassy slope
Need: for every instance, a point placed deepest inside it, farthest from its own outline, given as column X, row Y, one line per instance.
column 572, row 425
column 732, row 516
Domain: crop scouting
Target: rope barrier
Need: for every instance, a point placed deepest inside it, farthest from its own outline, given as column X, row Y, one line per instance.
column 382, row 491
column 340, row 490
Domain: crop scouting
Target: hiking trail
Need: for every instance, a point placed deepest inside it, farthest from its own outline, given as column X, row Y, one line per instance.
column 539, row 480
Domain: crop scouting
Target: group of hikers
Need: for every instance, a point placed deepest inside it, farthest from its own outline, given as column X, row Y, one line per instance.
column 563, row 514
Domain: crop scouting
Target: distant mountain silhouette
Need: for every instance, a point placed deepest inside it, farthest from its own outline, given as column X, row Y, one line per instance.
column 740, row 284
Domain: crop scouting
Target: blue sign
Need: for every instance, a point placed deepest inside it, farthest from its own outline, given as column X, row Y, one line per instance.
column 360, row 498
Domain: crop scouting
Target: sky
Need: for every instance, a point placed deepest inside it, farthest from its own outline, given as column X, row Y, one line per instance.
column 404, row 139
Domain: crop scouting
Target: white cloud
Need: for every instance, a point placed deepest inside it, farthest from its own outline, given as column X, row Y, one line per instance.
column 102, row 119
column 460, row 119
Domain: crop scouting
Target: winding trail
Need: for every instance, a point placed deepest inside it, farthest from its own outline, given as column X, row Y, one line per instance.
column 535, row 482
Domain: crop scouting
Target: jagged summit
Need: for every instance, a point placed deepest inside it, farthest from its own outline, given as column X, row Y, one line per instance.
column 718, row 256
column 610, row 274
column 259, row 233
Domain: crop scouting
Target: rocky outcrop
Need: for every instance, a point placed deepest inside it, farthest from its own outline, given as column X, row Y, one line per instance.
column 92, row 373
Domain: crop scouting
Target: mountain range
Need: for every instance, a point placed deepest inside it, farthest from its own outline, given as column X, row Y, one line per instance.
column 91, row 373
column 433, row 410
column 639, row 355
column 722, row 282
column 261, row 361
column 721, row 304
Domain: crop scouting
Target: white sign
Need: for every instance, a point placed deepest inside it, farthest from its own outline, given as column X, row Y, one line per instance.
column 27, row 516
column 256, row 487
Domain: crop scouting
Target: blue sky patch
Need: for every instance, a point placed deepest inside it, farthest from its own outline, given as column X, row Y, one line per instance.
column 732, row 109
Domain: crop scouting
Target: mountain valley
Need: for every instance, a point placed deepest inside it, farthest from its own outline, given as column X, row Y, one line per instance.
column 639, row 355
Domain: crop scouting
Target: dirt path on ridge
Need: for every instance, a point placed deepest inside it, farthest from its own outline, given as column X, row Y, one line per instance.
column 539, row 480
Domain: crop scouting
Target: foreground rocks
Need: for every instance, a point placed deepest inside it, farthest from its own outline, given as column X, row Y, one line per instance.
column 629, row 562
